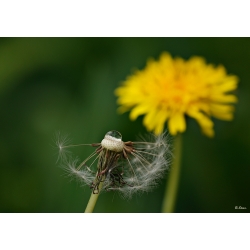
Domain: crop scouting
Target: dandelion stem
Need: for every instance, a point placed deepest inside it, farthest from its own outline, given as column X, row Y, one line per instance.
column 93, row 199
column 173, row 180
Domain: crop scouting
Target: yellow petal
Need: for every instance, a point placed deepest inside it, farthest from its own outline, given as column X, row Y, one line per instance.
column 205, row 123
column 176, row 123
column 229, row 84
column 139, row 110
column 208, row 131
column 123, row 109
column 160, row 119
column 148, row 120
column 223, row 98
column 223, row 112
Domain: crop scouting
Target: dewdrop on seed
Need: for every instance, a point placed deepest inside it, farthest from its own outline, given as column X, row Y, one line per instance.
column 127, row 167
column 113, row 141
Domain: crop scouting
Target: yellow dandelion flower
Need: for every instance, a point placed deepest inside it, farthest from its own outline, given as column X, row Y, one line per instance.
column 169, row 89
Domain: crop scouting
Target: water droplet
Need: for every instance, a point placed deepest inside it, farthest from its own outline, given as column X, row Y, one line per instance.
column 115, row 134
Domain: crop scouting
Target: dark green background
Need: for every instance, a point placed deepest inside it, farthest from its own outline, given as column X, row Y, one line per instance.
column 67, row 84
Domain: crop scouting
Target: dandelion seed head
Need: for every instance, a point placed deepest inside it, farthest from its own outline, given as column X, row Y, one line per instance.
column 125, row 167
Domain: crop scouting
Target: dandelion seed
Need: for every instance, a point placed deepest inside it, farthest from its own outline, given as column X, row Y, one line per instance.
column 127, row 167
column 61, row 141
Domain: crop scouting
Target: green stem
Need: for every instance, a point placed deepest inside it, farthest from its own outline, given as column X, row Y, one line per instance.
column 92, row 200
column 173, row 179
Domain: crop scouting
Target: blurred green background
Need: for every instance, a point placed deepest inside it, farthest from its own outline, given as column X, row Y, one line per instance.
column 67, row 85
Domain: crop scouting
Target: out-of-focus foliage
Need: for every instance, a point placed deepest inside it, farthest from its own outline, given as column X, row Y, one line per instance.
column 67, row 85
